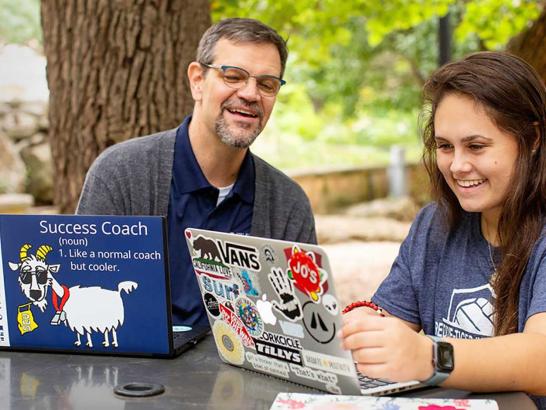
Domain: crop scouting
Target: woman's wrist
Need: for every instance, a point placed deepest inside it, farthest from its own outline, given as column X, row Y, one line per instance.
column 426, row 359
column 363, row 304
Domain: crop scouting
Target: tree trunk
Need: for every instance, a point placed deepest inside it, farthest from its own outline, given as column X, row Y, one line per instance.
column 116, row 69
column 531, row 45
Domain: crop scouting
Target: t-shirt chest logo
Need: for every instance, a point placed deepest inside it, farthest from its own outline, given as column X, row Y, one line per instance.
column 469, row 314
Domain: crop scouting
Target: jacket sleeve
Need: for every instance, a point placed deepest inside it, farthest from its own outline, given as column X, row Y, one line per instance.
column 106, row 185
column 97, row 198
column 307, row 232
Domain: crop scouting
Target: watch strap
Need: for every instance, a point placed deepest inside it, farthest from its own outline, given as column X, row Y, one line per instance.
column 438, row 377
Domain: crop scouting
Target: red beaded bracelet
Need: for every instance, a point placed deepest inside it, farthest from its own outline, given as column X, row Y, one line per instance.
column 364, row 303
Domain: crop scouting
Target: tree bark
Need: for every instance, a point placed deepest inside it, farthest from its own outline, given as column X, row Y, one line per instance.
column 531, row 45
column 116, row 69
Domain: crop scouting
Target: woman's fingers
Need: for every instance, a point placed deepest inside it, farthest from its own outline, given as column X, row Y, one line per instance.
column 362, row 340
column 353, row 324
column 370, row 355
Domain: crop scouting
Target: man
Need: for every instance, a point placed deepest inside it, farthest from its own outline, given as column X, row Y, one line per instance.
column 202, row 174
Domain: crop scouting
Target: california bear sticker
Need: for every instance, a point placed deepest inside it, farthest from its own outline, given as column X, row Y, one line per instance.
column 216, row 258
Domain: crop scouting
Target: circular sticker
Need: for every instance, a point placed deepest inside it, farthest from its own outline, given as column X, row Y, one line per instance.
column 229, row 345
column 248, row 313
column 211, row 303
column 320, row 327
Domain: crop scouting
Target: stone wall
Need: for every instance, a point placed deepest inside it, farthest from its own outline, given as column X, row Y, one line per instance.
column 331, row 189
column 25, row 155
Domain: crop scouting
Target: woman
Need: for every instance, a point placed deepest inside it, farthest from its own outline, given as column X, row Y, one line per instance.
column 472, row 271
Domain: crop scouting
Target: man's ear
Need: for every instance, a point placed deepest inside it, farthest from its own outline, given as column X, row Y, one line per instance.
column 196, row 78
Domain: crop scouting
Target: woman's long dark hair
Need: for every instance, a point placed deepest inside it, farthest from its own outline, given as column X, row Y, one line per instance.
column 514, row 97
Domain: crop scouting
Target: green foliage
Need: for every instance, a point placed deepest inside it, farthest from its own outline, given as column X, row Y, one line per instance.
column 368, row 55
column 494, row 22
column 357, row 69
column 20, row 22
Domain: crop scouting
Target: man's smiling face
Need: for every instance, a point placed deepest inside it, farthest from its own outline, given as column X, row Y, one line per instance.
column 237, row 116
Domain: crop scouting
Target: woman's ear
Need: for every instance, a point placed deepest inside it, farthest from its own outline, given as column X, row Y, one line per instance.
column 196, row 78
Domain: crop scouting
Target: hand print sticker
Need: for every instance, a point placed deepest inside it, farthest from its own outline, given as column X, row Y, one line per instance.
column 289, row 305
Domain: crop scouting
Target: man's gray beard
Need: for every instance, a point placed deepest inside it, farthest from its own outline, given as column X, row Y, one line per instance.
column 227, row 137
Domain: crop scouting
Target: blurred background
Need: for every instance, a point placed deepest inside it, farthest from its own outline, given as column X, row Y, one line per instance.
column 76, row 77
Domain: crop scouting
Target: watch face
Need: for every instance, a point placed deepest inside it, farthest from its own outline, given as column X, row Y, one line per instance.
column 444, row 357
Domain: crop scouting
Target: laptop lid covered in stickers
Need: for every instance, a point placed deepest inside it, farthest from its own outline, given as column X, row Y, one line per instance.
column 272, row 308
column 85, row 284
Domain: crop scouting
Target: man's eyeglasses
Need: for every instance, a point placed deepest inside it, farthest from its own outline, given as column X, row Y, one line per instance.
column 236, row 77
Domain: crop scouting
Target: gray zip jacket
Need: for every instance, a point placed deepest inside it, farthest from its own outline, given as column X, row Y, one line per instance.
column 134, row 178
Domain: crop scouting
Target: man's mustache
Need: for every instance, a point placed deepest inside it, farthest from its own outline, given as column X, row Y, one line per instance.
column 254, row 108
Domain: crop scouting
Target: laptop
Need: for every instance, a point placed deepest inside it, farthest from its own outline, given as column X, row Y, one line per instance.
column 272, row 308
column 88, row 284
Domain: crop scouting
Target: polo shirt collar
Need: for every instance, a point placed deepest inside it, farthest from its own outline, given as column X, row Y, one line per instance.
column 244, row 186
column 188, row 174
column 190, row 178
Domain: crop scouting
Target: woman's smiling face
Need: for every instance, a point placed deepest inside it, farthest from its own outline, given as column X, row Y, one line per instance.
column 476, row 158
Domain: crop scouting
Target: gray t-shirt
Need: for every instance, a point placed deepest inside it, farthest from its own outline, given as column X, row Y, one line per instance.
column 440, row 279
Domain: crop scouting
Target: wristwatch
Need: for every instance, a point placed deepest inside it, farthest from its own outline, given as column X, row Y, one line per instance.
column 443, row 361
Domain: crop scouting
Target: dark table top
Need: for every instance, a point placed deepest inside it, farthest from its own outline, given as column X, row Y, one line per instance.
column 197, row 380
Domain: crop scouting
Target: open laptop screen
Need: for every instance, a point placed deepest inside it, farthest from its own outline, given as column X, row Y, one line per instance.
column 89, row 284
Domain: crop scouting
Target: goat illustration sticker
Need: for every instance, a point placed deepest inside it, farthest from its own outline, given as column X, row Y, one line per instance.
column 84, row 283
column 83, row 310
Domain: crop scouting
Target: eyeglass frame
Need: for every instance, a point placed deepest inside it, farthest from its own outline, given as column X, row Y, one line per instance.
column 221, row 68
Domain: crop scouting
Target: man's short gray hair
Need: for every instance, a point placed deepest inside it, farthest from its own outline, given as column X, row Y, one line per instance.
column 240, row 30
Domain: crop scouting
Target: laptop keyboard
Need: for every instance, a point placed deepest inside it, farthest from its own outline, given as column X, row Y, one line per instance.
column 369, row 383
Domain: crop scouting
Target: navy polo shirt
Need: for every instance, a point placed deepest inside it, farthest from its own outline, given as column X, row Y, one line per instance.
column 192, row 204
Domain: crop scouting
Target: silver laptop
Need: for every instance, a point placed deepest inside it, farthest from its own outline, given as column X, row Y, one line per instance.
column 273, row 309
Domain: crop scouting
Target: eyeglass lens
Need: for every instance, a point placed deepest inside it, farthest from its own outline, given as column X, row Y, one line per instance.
column 237, row 78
